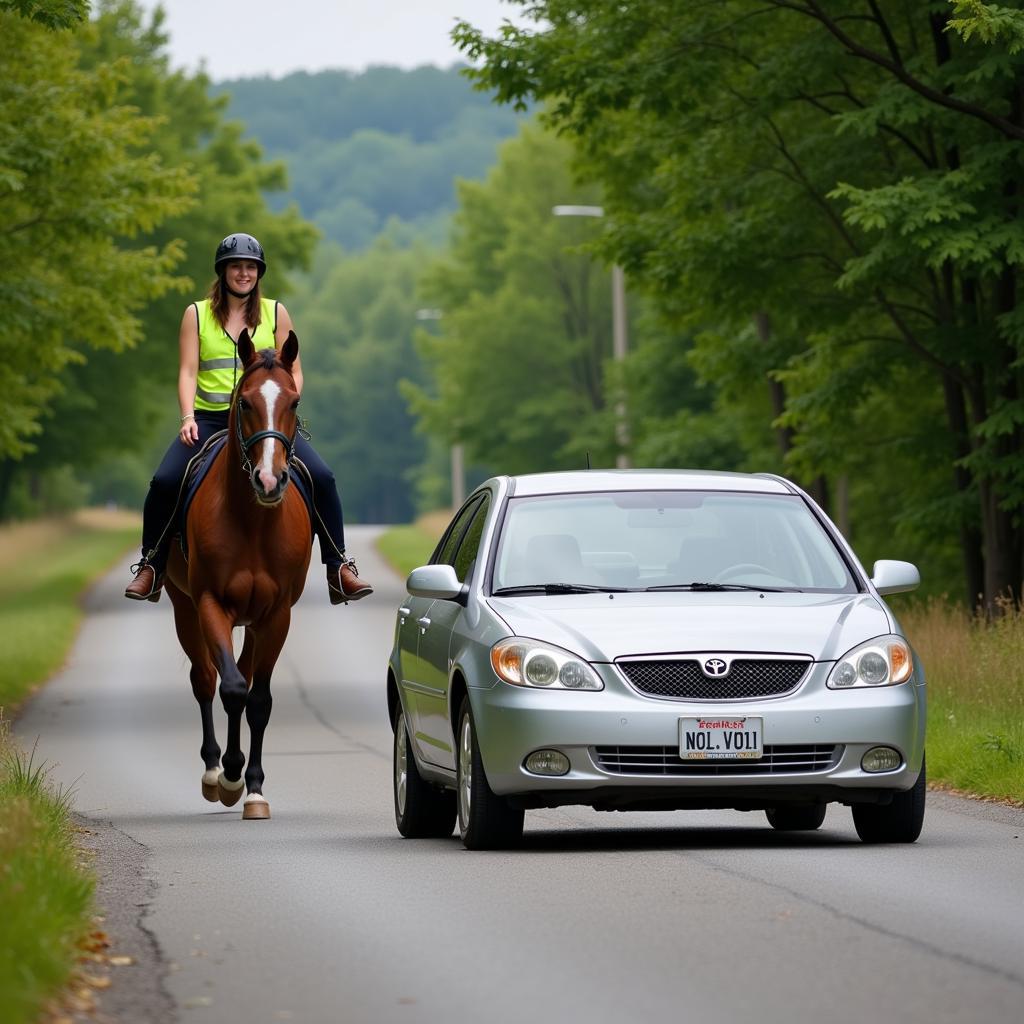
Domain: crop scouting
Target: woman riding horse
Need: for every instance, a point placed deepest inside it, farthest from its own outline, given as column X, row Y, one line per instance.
column 249, row 538
column 208, row 371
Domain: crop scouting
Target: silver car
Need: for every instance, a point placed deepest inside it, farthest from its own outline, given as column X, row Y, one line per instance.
column 652, row 640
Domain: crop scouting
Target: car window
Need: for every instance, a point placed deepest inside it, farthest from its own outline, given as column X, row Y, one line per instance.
column 445, row 554
column 668, row 538
column 466, row 554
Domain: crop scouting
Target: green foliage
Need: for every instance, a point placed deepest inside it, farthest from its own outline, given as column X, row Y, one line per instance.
column 46, row 896
column 98, row 404
column 519, row 352
column 53, row 14
column 826, row 198
column 355, row 316
column 79, row 188
column 365, row 149
column 991, row 23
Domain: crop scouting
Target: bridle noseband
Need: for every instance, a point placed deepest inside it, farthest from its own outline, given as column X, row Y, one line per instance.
column 245, row 443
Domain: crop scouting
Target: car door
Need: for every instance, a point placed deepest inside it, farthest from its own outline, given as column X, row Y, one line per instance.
column 418, row 678
column 436, row 741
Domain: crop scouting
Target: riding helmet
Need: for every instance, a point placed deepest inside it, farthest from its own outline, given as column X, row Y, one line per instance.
column 240, row 246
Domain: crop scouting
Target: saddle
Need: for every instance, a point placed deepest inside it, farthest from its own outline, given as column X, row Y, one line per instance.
column 195, row 473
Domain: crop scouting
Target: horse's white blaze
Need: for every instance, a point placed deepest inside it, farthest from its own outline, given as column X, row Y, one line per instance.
column 270, row 391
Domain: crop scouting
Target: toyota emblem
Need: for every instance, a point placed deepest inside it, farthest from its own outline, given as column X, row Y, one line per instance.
column 715, row 667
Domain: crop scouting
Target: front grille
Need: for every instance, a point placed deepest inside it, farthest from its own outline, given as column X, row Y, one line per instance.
column 683, row 678
column 787, row 759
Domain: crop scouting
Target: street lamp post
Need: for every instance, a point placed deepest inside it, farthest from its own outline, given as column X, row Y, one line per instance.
column 457, row 467
column 620, row 342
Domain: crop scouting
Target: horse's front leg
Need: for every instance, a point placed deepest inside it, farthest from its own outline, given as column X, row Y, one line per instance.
column 217, row 625
column 203, row 676
column 258, row 708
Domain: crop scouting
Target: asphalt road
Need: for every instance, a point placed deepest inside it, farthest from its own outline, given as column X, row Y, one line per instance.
column 325, row 913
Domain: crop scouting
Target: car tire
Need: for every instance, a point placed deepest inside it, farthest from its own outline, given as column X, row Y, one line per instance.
column 422, row 811
column 796, row 817
column 486, row 820
column 896, row 822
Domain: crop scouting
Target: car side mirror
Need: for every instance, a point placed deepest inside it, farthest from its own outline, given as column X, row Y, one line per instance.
column 437, row 581
column 892, row 577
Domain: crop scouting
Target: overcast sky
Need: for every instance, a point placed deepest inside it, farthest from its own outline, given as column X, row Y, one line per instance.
column 239, row 38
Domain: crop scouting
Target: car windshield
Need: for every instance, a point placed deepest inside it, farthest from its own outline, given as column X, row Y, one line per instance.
column 652, row 540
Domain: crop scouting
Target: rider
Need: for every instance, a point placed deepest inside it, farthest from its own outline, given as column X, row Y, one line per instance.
column 207, row 373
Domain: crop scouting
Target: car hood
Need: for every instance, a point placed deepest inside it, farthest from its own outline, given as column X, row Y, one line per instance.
column 603, row 627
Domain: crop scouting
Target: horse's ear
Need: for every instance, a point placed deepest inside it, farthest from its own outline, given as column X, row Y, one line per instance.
column 246, row 349
column 289, row 351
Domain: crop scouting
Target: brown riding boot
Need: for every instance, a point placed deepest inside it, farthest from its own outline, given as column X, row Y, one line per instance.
column 147, row 585
column 344, row 584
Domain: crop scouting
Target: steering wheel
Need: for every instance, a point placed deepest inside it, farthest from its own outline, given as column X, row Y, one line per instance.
column 742, row 569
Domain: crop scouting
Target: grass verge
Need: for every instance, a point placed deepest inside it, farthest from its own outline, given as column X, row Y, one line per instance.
column 45, row 894
column 975, row 673
column 44, row 568
column 46, row 927
column 405, row 547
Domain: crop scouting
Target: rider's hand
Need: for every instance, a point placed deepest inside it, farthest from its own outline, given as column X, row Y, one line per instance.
column 189, row 432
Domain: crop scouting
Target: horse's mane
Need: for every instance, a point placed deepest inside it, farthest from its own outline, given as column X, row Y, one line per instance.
column 266, row 359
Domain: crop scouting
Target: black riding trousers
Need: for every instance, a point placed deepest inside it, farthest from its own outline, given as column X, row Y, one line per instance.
column 166, row 483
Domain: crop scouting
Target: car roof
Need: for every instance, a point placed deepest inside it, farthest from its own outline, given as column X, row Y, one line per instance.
column 578, row 481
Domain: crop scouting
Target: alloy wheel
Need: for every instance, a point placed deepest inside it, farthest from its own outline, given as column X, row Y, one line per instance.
column 401, row 762
column 465, row 770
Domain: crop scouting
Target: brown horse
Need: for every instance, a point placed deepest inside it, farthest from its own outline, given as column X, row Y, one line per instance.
column 249, row 542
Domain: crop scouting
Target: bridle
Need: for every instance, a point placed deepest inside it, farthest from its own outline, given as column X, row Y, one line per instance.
column 245, row 443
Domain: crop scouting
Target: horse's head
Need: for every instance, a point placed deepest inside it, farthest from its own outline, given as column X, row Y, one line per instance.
column 265, row 417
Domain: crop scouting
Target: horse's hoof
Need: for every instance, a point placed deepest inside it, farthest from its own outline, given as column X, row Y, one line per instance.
column 256, row 808
column 229, row 793
column 211, row 791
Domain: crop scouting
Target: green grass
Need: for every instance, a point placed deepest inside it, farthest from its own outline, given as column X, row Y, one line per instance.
column 44, row 568
column 975, row 673
column 405, row 547
column 45, row 895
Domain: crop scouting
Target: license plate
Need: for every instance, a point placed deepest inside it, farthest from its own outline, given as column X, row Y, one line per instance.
column 720, row 738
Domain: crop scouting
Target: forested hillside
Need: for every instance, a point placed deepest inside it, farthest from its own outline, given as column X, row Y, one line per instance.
column 363, row 149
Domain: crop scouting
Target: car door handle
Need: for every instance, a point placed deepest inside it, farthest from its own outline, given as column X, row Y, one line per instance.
column 424, row 622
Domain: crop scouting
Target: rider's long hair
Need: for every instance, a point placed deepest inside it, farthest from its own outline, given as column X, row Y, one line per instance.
column 218, row 297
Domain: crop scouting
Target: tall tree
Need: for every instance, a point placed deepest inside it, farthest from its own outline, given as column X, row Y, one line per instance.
column 834, row 189
column 78, row 189
column 524, row 327
column 355, row 318
column 120, row 401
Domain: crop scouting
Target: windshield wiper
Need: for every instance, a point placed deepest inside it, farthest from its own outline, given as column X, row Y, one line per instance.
column 556, row 588
column 720, row 586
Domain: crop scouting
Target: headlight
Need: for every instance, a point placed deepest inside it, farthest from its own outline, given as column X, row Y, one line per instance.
column 532, row 663
column 881, row 662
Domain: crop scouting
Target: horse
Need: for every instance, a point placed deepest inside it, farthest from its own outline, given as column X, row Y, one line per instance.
column 249, row 538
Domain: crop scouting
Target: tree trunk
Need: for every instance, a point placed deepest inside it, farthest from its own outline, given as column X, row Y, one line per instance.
column 970, row 535
column 776, row 389
column 6, row 479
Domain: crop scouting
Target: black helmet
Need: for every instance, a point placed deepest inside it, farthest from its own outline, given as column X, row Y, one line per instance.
column 240, row 246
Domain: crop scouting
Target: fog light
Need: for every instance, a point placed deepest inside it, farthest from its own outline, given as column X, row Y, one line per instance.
column 881, row 759
column 547, row 762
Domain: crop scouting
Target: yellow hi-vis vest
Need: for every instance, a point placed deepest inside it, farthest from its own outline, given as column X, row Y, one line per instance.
column 219, row 366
